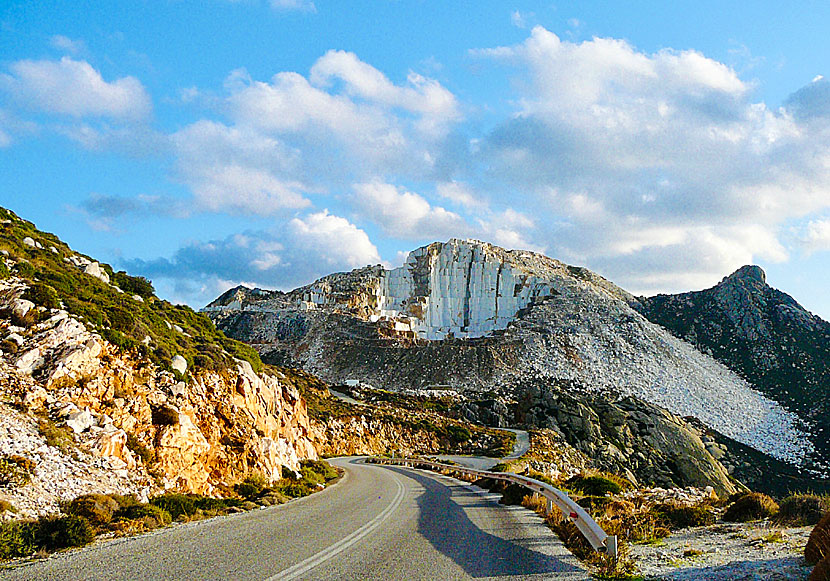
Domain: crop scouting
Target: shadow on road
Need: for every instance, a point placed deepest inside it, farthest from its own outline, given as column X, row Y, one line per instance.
column 445, row 524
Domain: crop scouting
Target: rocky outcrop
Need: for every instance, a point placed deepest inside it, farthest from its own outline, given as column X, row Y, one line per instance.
column 201, row 435
column 765, row 336
column 474, row 317
column 643, row 442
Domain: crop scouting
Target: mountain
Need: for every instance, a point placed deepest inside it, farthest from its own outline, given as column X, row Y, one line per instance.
column 514, row 325
column 104, row 387
column 764, row 335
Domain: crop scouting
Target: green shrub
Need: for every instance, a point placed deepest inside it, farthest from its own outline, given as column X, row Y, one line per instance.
column 751, row 506
column 321, row 467
column 15, row 471
column 58, row 437
column 9, row 346
column 295, row 488
column 121, row 320
column 53, row 533
column 458, row 434
column 6, row 506
column 17, row 539
column 25, row 270
column 803, row 509
column 513, row 494
column 253, row 484
column 124, row 500
column 4, row 271
column 176, row 504
column 137, row 447
column 818, row 545
column 593, row 485
column 681, row 517
column 152, row 515
column 134, row 285
column 42, row 295
column 98, row 509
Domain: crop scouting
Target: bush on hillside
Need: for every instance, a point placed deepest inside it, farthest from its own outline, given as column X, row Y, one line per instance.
column 98, row 509
column 150, row 515
column 42, row 295
column 803, row 509
column 681, row 517
column 53, row 533
column 751, row 506
column 176, row 504
column 594, row 485
column 252, row 486
column 818, row 545
column 15, row 470
column 17, row 539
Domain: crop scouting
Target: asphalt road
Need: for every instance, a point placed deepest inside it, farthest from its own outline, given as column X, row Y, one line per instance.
column 379, row 522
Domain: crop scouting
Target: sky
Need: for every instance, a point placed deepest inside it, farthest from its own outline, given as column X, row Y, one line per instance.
column 270, row 142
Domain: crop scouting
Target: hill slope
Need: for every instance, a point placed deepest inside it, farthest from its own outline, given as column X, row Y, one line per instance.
column 104, row 387
column 482, row 319
column 763, row 334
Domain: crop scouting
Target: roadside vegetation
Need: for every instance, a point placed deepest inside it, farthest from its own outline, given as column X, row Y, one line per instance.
column 110, row 515
column 409, row 413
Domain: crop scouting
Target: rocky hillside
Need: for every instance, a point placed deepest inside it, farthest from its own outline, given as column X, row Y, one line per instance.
column 477, row 318
column 106, row 388
column 763, row 334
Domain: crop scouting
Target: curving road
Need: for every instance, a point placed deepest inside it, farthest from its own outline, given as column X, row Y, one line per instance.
column 379, row 522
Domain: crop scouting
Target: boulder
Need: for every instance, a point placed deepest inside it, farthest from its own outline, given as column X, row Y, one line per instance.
column 80, row 421
column 94, row 269
column 29, row 241
column 179, row 363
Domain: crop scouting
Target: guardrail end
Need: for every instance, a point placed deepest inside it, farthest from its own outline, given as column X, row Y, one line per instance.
column 611, row 545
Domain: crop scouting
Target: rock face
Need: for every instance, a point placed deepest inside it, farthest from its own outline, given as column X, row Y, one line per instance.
column 476, row 317
column 763, row 334
column 131, row 419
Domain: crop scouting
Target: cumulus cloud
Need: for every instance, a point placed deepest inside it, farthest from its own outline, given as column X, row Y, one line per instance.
column 816, row 236
column 66, row 44
column 293, row 5
column 406, row 215
column 75, row 88
column 309, row 247
column 237, row 170
column 637, row 163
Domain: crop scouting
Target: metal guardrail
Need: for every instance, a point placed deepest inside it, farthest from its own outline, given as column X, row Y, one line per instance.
column 598, row 538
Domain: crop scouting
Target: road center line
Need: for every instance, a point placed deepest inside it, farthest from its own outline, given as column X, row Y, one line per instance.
column 304, row 566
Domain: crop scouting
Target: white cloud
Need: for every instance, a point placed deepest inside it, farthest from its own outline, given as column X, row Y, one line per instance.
column 816, row 236
column 237, row 170
column 427, row 97
column 66, row 44
column 406, row 215
column 334, row 239
column 75, row 88
column 647, row 166
column 460, row 194
column 292, row 5
column 305, row 249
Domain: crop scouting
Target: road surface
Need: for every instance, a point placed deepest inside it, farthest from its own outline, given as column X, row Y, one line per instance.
column 379, row 522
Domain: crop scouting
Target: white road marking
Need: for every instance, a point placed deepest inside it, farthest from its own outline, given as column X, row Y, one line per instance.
column 304, row 566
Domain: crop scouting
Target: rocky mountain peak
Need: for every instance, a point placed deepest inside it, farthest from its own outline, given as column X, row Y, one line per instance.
column 749, row 273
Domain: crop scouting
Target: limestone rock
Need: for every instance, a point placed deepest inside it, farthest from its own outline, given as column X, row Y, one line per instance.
column 80, row 420
column 29, row 241
column 179, row 363
column 94, row 269
column 111, row 442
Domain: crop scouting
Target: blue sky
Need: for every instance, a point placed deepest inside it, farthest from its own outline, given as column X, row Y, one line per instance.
column 207, row 144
